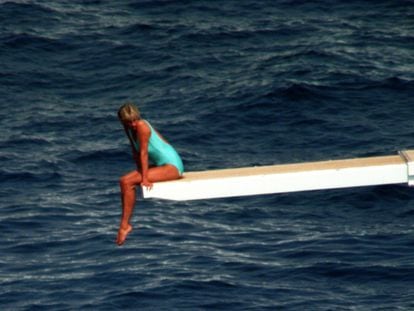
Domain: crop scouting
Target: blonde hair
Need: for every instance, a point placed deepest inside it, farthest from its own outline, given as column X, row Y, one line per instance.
column 128, row 112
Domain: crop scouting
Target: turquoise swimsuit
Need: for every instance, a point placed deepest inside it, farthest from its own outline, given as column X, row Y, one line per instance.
column 159, row 152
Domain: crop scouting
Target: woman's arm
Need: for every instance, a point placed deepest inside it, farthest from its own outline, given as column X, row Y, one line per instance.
column 135, row 154
column 143, row 134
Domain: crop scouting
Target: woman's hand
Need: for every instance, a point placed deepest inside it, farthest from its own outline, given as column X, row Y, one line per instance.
column 148, row 185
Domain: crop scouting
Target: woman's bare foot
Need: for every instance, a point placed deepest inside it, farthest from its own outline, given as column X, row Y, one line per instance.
column 122, row 234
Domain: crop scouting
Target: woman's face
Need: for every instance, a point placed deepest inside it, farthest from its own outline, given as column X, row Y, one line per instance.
column 130, row 124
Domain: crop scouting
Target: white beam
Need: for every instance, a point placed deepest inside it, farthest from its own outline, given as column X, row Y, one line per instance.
column 287, row 178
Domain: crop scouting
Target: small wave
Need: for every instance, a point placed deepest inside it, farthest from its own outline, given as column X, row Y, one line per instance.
column 360, row 273
column 25, row 247
column 360, row 83
column 25, row 141
column 393, row 83
column 24, row 40
column 97, row 155
column 137, row 28
column 206, row 285
column 18, row 15
column 296, row 91
column 313, row 55
column 148, row 4
column 406, row 214
column 22, row 176
column 217, row 35
column 134, row 295
column 21, row 8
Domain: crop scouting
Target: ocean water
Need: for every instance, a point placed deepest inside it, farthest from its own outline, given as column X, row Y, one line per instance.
column 230, row 84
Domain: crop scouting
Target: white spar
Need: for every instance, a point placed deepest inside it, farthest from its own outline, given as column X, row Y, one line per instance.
column 258, row 180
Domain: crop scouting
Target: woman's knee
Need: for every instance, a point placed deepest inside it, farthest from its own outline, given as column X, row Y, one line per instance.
column 129, row 181
column 124, row 183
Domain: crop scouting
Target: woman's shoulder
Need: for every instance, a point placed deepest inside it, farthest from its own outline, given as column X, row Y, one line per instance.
column 143, row 125
column 141, row 122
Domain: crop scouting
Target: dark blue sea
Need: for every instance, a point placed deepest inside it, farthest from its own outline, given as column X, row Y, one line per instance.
column 229, row 84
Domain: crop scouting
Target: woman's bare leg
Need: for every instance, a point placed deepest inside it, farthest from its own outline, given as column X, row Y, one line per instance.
column 128, row 184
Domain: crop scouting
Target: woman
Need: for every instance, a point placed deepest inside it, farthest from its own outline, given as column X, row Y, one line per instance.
column 155, row 158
